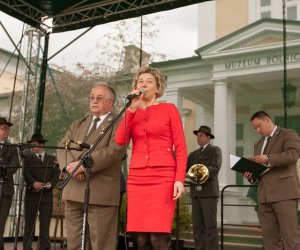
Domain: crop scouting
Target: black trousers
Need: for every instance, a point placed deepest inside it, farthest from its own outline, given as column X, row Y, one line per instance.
column 45, row 212
column 204, row 216
column 4, row 211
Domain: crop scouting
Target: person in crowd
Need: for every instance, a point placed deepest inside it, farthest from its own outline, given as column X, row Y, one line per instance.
column 9, row 163
column 105, row 174
column 278, row 188
column 158, row 160
column 41, row 175
column 205, row 196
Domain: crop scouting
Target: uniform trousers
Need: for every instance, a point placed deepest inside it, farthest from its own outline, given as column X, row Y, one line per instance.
column 204, row 216
column 102, row 225
column 4, row 211
column 279, row 224
column 31, row 211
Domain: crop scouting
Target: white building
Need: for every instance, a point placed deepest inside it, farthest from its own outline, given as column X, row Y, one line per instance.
column 238, row 70
column 8, row 81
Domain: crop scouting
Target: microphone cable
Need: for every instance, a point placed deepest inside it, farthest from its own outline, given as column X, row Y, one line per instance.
column 126, row 199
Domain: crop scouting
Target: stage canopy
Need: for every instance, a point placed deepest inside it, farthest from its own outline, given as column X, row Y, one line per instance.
column 74, row 14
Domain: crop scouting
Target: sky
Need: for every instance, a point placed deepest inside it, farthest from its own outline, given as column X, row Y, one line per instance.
column 177, row 37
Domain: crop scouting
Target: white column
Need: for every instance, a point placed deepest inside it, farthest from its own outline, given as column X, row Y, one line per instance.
column 231, row 140
column 174, row 96
column 221, row 127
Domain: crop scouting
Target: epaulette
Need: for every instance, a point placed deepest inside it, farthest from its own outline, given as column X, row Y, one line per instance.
column 83, row 119
column 87, row 117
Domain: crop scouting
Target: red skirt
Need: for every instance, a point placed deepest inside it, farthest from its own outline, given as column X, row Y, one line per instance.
column 150, row 204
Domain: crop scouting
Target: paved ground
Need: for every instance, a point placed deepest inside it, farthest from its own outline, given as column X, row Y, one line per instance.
column 10, row 246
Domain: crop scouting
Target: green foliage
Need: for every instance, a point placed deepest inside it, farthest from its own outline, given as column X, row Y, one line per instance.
column 184, row 217
column 60, row 110
column 252, row 193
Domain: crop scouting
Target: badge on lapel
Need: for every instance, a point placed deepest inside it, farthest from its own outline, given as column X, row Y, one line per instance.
column 110, row 118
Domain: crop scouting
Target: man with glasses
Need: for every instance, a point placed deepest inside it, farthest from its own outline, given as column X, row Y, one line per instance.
column 8, row 166
column 105, row 174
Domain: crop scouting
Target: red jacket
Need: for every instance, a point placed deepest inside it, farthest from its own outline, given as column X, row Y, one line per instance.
column 157, row 137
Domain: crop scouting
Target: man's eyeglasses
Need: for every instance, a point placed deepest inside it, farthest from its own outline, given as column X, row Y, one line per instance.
column 98, row 98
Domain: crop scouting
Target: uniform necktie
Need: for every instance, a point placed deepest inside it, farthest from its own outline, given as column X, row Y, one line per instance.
column 266, row 145
column 41, row 159
column 201, row 149
column 93, row 128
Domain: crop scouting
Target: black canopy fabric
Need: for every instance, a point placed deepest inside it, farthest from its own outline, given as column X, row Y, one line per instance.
column 75, row 14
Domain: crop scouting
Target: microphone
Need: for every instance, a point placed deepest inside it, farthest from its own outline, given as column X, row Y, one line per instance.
column 81, row 144
column 26, row 152
column 56, row 164
column 131, row 96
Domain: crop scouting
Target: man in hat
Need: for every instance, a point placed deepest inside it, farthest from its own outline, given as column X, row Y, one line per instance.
column 41, row 176
column 205, row 196
column 9, row 163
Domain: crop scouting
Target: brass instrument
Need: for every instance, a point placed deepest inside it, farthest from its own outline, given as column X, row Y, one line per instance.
column 198, row 174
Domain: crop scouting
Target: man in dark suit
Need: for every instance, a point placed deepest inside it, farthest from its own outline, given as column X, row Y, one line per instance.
column 9, row 162
column 205, row 196
column 41, row 175
column 278, row 189
column 105, row 174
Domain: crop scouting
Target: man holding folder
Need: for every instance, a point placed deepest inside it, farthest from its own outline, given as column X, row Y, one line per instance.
column 279, row 188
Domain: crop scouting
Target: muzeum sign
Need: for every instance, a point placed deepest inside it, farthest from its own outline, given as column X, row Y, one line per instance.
column 263, row 61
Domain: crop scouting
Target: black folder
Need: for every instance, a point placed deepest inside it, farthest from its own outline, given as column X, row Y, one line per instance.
column 242, row 165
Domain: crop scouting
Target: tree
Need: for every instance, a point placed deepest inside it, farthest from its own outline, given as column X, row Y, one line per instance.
column 66, row 95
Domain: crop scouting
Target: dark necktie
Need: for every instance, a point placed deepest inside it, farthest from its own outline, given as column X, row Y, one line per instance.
column 41, row 159
column 265, row 148
column 93, row 128
column 201, row 149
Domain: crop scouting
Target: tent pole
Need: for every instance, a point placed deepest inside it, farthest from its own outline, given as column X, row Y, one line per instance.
column 39, row 115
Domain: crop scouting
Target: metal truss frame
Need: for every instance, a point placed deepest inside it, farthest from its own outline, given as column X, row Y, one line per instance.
column 86, row 13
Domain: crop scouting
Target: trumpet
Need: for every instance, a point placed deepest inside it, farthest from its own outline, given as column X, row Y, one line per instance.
column 198, row 174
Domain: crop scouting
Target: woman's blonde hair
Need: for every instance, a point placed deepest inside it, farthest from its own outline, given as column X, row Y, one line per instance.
column 160, row 79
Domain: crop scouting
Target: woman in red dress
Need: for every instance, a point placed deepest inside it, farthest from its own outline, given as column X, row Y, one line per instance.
column 158, row 161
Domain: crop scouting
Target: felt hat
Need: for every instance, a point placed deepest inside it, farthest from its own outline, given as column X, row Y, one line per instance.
column 204, row 129
column 4, row 121
column 37, row 137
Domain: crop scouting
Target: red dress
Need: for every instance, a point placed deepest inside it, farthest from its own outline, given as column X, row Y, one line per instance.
column 157, row 136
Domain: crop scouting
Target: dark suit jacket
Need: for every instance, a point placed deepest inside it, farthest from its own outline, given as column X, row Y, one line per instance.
column 46, row 172
column 10, row 160
column 122, row 183
column 281, row 182
column 211, row 157
column 105, row 176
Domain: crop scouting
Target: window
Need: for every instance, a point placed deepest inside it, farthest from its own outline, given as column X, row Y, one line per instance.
column 293, row 122
column 239, row 131
column 291, row 13
column 266, row 14
column 238, row 178
column 265, row 3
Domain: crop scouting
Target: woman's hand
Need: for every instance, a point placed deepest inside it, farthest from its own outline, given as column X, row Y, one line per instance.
column 178, row 190
column 135, row 102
